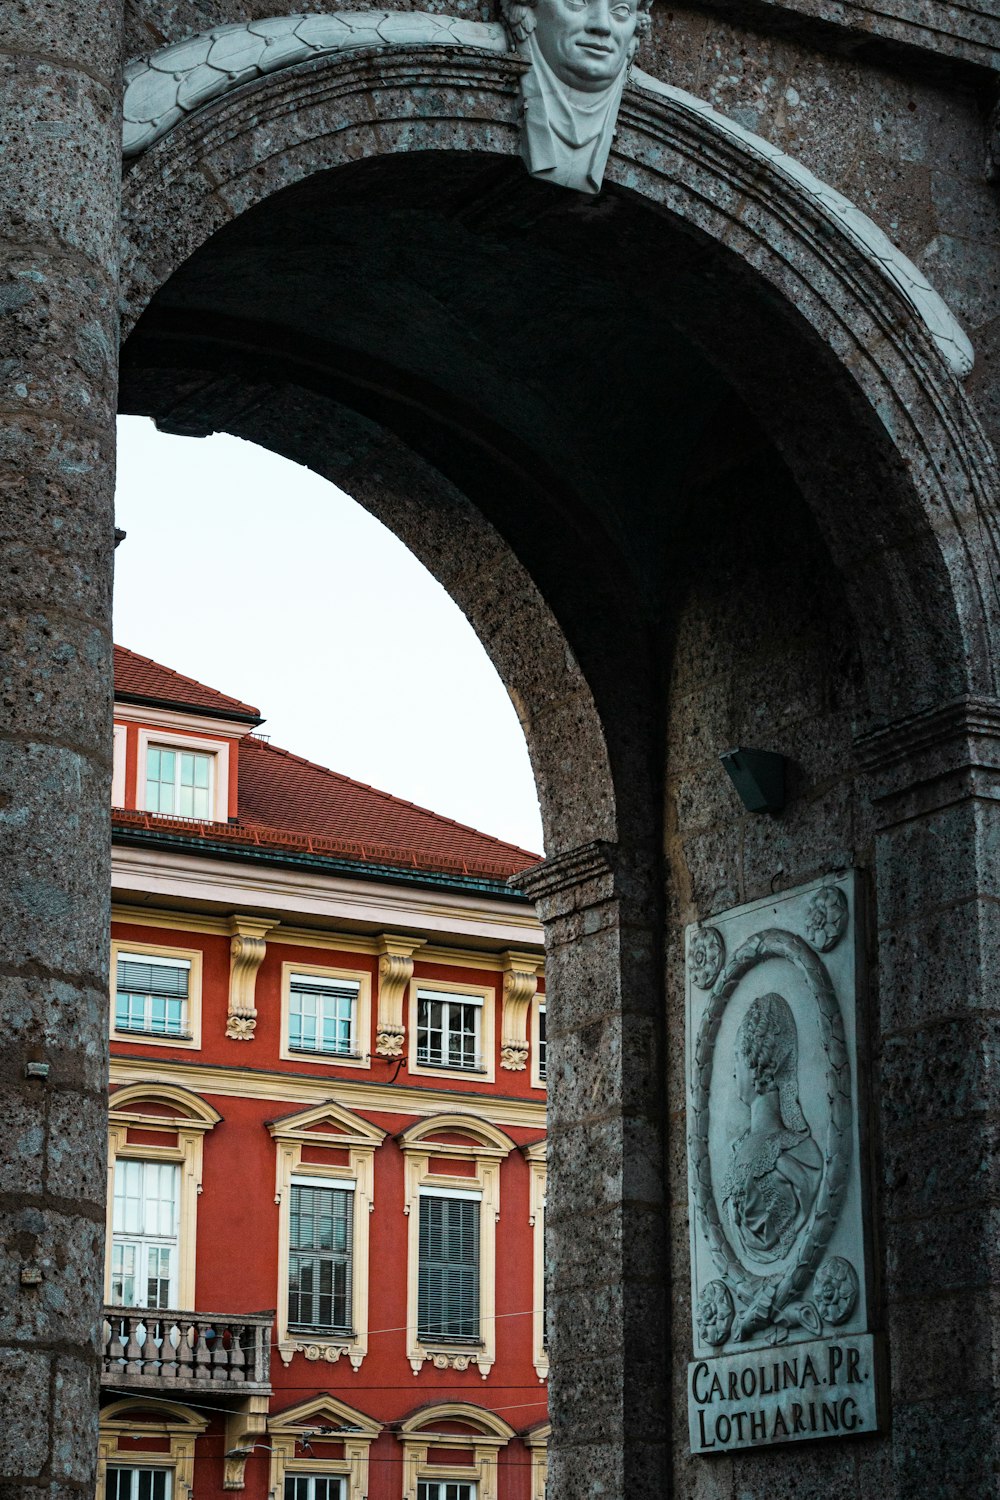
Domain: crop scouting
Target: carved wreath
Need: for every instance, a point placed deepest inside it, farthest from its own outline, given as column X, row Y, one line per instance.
column 765, row 1297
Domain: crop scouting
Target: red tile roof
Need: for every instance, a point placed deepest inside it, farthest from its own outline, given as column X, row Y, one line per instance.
column 281, row 791
column 292, row 805
column 137, row 678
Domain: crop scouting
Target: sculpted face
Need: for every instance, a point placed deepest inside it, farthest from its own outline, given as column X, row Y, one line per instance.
column 586, row 43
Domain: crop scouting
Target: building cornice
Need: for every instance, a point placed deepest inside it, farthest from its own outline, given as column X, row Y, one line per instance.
column 287, row 1088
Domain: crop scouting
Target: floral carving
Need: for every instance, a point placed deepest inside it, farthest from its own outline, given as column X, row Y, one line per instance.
column 826, row 918
column 241, row 1028
column 715, row 1313
column 706, row 955
column 389, row 1041
column 514, row 1055
column 450, row 1361
column 836, row 1289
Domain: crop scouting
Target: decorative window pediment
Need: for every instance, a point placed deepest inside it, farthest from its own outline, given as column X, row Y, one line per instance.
column 343, row 1175
column 134, row 1420
column 299, row 1433
column 458, row 1426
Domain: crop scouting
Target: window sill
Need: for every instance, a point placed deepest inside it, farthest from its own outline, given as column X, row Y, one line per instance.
column 326, row 1056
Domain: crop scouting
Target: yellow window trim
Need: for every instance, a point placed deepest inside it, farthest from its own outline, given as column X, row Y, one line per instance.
column 487, row 1030
column 178, row 1423
column 488, row 1147
column 288, row 1427
column 360, row 1140
column 190, row 1125
column 417, row 1435
column 362, row 1032
column 158, row 950
column 535, row 1157
column 537, row 1443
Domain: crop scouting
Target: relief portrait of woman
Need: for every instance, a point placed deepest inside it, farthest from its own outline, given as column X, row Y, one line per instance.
column 776, row 1165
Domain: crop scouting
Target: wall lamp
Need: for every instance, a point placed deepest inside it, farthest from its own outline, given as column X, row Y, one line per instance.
column 759, row 778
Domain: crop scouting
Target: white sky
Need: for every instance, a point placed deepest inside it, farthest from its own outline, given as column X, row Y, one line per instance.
column 265, row 581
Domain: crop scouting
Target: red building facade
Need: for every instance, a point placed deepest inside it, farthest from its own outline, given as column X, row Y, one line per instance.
column 326, row 1138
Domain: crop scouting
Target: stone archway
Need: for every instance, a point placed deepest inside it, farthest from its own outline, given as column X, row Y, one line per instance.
column 764, row 343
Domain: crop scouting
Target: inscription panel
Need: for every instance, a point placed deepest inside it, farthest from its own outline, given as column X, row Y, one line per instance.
column 779, row 1257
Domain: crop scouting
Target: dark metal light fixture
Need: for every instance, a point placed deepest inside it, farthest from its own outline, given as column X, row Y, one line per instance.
column 759, row 778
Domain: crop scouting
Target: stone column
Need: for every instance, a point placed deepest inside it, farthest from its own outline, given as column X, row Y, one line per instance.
column 606, row 1238
column 936, row 791
column 59, row 211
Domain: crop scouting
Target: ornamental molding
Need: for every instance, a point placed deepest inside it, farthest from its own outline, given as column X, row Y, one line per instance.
column 172, row 83
column 245, row 1428
column 247, row 948
column 520, row 985
column 571, row 870
column 928, row 761
column 395, row 970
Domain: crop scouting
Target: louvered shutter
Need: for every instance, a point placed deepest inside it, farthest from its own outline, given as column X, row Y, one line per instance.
column 146, row 977
column 320, row 1254
column 448, row 1289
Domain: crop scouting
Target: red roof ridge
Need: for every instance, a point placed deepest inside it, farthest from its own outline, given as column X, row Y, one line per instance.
column 124, row 655
column 301, row 760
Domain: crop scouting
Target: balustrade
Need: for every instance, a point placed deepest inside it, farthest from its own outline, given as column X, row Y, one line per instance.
column 144, row 1347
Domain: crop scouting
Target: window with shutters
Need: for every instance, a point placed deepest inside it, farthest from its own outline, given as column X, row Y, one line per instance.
column 448, row 1278
column 322, row 1014
column 446, row 1489
column 145, row 1227
column 449, row 1030
column 314, row 1487
column 151, row 995
column 452, row 1202
column 320, row 1246
column 326, row 1015
column 156, row 994
column 535, row 1156
column 137, row 1484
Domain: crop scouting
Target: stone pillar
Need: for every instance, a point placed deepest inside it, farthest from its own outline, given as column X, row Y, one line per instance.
column 59, row 211
column 936, row 791
column 606, row 1237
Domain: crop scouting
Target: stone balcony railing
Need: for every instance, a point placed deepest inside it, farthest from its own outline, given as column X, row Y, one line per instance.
column 147, row 1348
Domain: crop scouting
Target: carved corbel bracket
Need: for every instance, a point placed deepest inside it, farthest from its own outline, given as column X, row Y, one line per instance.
column 246, row 949
column 520, row 985
column 395, row 970
column 244, row 1428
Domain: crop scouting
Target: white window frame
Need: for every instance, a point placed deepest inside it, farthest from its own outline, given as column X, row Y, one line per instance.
column 153, row 951
column 539, row 1080
column 485, row 998
column 199, row 744
column 122, row 1461
column 304, row 1179
column 361, row 1029
column 144, row 1243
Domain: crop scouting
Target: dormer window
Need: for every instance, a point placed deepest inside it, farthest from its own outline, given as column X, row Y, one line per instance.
column 179, row 782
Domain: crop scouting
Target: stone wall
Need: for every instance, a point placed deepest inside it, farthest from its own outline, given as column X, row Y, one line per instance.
column 59, row 195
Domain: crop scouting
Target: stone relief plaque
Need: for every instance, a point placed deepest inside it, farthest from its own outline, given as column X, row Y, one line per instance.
column 779, row 1259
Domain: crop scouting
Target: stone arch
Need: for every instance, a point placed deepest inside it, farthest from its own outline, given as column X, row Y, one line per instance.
column 805, row 279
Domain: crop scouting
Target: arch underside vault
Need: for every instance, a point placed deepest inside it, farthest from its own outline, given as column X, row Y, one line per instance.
column 588, row 418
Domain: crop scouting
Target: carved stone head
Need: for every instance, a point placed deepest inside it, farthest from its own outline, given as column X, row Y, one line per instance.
column 588, row 44
column 767, row 1045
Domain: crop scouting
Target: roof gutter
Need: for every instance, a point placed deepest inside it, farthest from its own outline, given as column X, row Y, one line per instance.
column 202, row 710
column 482, row 885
